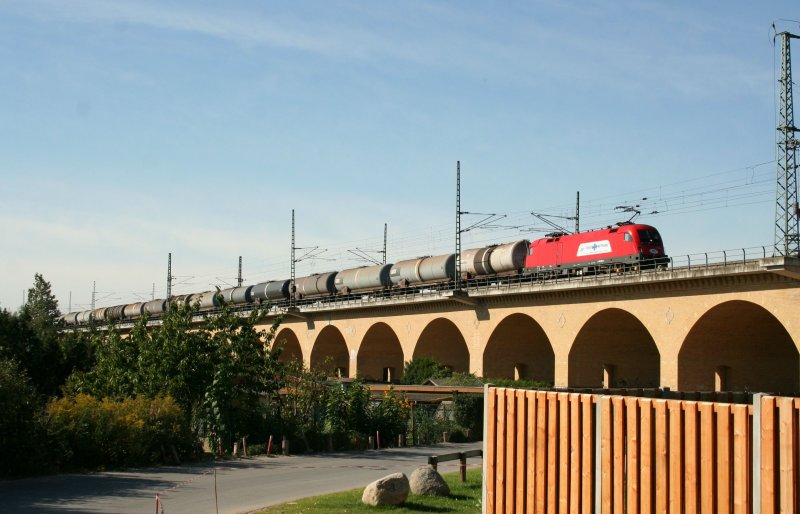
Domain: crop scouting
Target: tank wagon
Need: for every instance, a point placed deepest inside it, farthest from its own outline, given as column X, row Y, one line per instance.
column 631, row 246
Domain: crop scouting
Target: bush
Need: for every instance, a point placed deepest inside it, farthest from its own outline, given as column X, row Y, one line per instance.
column 468, row 413
column 96, row 433
column 430, row 423
column 419, row 370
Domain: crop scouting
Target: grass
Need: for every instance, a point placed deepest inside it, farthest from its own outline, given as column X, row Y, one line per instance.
column 464, row 497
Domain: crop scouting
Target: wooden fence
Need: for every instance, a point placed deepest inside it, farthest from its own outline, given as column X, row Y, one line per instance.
column 569, row 453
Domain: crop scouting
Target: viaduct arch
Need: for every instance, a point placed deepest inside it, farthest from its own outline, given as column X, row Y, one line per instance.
column 519, row 348
column 615, row 343
column 739, row 345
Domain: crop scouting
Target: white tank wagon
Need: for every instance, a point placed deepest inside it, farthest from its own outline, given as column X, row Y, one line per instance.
column 133, row 310
column 272, row 291
column 439, row 268
column 154, row 307
column 365, row 278
column 494, row 259
column 318, row 284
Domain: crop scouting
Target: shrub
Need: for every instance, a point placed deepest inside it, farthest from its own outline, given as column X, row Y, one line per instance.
column 95, row 433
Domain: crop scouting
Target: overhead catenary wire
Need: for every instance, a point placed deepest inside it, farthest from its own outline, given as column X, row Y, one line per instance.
column 743, row 186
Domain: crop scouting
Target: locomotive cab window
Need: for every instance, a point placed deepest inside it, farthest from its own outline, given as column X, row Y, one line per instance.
column 628, row 237
column 649, row 236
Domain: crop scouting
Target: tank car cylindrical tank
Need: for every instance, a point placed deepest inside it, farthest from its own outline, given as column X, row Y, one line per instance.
column 475, row 261
column 424, row 269
column 207, row 300
column 180, row 300
column 71, row 318
column 241, row 294
column 99, row 314
column 318, row 284
column 227, row 295
column 273, row 290
column 155, row 307
column 363, row 278
column 114, row 313
column 132, row 310
column 84, row 317
column 509, row 256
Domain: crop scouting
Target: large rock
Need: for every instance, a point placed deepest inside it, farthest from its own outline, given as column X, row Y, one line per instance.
column 389, row 490
column 426, row 480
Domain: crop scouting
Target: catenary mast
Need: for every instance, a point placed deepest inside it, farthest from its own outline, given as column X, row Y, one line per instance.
column 787, row 236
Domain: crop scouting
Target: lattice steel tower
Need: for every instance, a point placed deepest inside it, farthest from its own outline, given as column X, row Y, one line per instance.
column 787, row 236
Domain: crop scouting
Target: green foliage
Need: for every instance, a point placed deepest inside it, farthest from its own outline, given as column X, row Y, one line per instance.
column 90, row 432
column 244, row 369
column 468, row 413
column 19, row 426
column 217, row 372
column 304, row 404
column 347, row 411
column 41, row 309
column 431, row 421
column 389, row 417
column 419, row 370
column 517, row 384
column 31, row 339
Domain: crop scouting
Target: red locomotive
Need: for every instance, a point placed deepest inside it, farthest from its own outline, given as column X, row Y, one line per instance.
column 628, row 246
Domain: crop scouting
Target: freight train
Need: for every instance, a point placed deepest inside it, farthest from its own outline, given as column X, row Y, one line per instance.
column 609, row 250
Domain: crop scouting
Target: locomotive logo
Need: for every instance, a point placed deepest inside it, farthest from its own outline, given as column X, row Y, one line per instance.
column 594, row 248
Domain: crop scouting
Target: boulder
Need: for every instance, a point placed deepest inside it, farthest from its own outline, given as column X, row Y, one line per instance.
column 389, row 490
column 426, row 480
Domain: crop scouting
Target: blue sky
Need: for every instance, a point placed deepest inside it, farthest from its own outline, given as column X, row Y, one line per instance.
column 131, row 129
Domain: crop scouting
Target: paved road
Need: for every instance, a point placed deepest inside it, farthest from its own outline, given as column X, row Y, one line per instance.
column 242, row 485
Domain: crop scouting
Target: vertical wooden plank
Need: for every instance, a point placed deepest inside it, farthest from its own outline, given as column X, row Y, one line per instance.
column 690, row 463
column 723, row 458
column 500, row 474
column 575, row 459
column 563, row 452
column 619, row 456
column 521, row 451
column 587, row 478
column 661, row 460
column 646, row 455
column 707, row 458
column 607, row 452
column 542, row 457
column 511, row 425
column 674, row 407
column 741, row 460
column 768, row 464
column 786, row 431
column 552, row 452
column 532, row 455
column 491, row 448
column 632, row 446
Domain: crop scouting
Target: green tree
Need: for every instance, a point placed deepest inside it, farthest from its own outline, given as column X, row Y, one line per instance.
column 217, row 372
column 244, row 370
column 419, row 370
column 304, row 406
column 19, row 428
column 41, row 309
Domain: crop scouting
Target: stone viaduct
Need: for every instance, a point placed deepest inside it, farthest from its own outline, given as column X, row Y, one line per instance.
column 726, row 327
